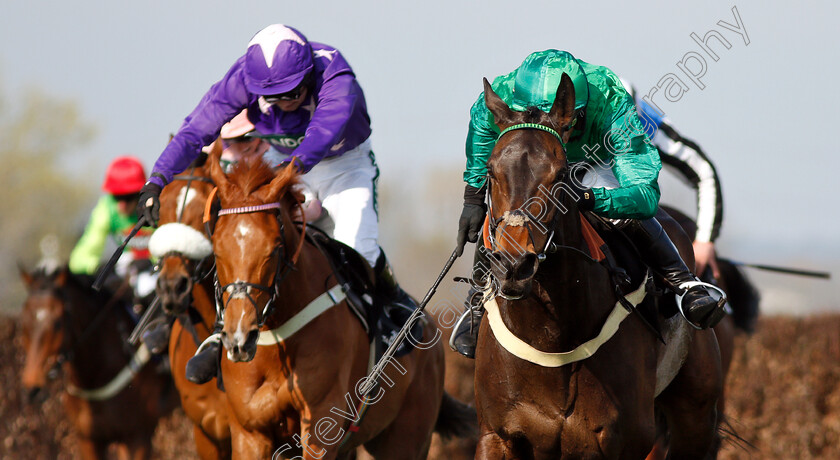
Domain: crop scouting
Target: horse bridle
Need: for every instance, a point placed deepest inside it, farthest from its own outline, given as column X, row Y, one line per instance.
column 519, row 217
column 244, row 288
column 190, row 178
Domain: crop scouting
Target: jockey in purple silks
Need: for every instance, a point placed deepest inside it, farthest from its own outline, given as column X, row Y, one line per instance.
column 303, row 98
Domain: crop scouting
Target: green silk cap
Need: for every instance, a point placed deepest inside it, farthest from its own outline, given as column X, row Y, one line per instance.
column 539, row 76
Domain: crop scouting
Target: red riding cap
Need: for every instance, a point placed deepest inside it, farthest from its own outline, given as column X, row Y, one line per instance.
column 125, row 175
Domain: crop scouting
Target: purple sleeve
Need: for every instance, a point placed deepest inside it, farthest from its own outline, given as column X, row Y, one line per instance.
column 337, row 102
column 220, row 104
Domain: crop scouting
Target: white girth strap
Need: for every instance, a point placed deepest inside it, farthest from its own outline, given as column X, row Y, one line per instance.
column 522, row 350
column 110, row 389
column 321, row 304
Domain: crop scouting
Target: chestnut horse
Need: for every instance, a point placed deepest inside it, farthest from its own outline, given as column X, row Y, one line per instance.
column 297, row 393
column 185, row 287
column 563, row 386
column 110, row 397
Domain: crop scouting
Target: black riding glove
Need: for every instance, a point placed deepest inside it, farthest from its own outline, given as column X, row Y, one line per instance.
column 472, row 217
column 148, row 206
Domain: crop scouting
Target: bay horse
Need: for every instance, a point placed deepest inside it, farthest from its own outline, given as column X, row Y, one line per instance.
column 110, row 396
column 743, row 315
column 570, row 391
column 185, row 288
column 295, row 391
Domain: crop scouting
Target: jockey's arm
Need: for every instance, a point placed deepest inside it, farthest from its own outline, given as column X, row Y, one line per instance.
column 636, row 166
column 337, row 100
column 482, row 135
column 85, row 257
column 220, row 104
column 688, row 159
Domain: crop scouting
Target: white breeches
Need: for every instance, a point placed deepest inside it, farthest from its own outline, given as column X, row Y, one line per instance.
column 346, row 187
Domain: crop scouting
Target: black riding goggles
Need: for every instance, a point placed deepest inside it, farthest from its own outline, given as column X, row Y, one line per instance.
column 288, row 95
column 293, row 94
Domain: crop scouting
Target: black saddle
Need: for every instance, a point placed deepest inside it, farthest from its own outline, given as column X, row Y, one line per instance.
column 625, row 262
column 358, row 282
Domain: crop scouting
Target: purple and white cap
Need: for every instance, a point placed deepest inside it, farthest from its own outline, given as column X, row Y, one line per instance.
column 277, row 60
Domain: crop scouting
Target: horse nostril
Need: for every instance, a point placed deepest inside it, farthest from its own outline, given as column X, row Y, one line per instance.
column 32, row 394
column 251, row 340
column 182, row 285
column 526, row 266
column 500, row 266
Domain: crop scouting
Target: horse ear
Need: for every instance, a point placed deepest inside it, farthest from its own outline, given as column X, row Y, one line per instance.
column 219, row 177
column 275, row 189
column 61, row 275
column 216, row 148
column 563, row 108
column 27, row 277
column 500, row 110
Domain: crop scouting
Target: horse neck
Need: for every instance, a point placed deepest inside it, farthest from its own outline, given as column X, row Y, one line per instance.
column 569, row 298
column 204, row 301
column 304, row 282
column 96, row 350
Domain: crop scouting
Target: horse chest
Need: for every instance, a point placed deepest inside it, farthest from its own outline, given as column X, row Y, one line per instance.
column 559, row 410
column 575, row 435
column 260, row 405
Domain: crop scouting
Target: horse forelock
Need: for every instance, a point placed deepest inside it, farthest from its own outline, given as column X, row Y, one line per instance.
column 532, row 114
column 250, row 175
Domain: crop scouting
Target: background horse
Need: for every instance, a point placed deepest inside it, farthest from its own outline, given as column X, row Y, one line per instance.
column 185, row 287
column 602, row 406
column 299, row 394
column 66, row 323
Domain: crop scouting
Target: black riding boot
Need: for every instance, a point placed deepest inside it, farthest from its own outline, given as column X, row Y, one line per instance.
column 396, row 303
column 465, row 335
column 204, row 366
column 657, row 250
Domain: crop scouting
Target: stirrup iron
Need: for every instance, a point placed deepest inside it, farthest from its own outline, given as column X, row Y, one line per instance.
column 721, row 298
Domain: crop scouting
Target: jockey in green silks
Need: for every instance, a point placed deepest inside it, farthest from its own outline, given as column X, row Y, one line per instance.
column 620, row 171
column 113, row 217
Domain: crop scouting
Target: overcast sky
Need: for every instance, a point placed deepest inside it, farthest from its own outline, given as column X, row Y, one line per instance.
column 767, row 114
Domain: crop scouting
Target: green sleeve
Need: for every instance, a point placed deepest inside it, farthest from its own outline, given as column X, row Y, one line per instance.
column 88, row 251
column 483, row 132
column 481, row 138
column 636, row 166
